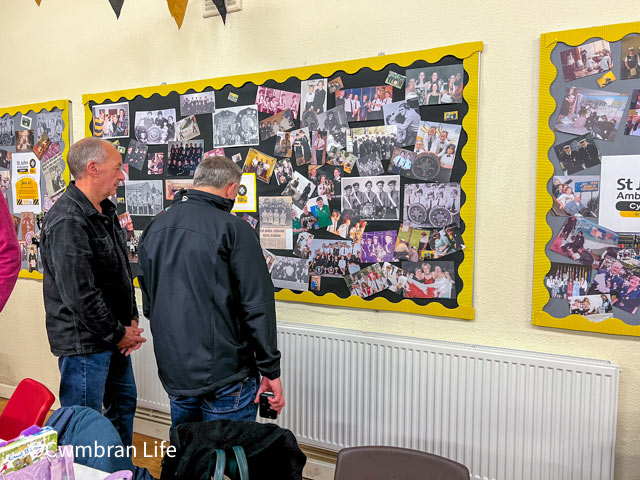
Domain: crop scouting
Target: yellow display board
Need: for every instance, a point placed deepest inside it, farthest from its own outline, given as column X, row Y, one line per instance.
column 62, row 106
column 553, row 69
column 468, row 53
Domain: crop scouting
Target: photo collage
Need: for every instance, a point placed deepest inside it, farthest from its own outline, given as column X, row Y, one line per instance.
column 597, row 114
column 348, row 196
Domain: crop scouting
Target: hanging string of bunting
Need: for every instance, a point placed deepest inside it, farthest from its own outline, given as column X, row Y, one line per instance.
column 177, row 8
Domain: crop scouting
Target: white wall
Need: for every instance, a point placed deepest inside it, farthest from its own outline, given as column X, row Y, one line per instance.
column 66, row 48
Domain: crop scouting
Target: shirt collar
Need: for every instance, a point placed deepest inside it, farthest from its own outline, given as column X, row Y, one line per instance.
column 75, row 194
column 224, row 204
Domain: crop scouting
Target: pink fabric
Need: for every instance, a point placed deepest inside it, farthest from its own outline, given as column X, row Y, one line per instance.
column 10, row 258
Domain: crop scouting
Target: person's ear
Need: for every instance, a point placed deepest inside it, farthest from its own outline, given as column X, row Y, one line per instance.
column 92, row 169
column 232, row 190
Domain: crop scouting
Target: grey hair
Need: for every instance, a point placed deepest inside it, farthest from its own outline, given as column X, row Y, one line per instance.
column 216, row 172
column 87, row 150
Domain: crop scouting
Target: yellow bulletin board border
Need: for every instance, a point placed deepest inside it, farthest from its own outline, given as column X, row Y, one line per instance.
column 469, row 53
column 546, row 138
column 65, row 107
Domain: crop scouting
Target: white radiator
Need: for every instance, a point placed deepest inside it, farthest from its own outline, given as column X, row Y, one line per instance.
column 505, row 414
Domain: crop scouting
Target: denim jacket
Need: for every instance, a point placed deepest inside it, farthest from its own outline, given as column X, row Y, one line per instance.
column 88, row 292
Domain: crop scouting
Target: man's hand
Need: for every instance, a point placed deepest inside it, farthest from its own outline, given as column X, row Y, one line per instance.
column 275, row 386
column 132, row 339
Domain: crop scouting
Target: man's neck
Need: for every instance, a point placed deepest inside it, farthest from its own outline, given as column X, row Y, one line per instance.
column 87, row 190
column 221, row 192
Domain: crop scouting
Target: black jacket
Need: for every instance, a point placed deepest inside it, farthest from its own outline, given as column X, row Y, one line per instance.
column 272, row 452
column 88, row 292
column 207, row 293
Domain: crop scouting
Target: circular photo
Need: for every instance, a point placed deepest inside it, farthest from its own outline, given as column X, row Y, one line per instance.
column 440, row 217
column 417, row 213
column 426, row 166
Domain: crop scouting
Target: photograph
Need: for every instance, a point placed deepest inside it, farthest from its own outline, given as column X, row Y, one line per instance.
column 187, row 128
column 283, row 171
column 51, row 123
column 249, row 219
column 586, row 59
column 41, row 146
column 629, row 51
column 575, row 195
column 302, row 245
column 309, row 119
column 156, row 127
column 369, row 165
column 434, row 85
column 197, row 103
column 125, row 221
column 629, row 297
column 412, row 244
column 280, row 122
column 380, row 140
column 395, row 277
column 136, row 154
column 52, row 171
column 606, row 79
column 54, row 149
column 300, row 189
column 313, row 96
column 633, row 119
column 32, row 258
column 585, row 241
column 24, row 140
column 5, row 159
column 236, row 126
column 216, row 152
column 395, row 79
column 437, row 138
column 378, row 246
column 334, row 258
column 315, row 283
column 232, row 97
column 25, row 122
column 379, row 203
column 334, row 84
column 318, row 147
column 283, row 147
column 578, row 154
column 347, row 224
column 405, row 118
column 327, row 179
column 363, row 104
column 367, row 281
column 334, row 123
column 133, row 238
column 259, row 163
column 270, row 259
column 174, row 186
column 143, row 197
column 7, row 131
column 303, row 220
column 402, row 161
column 184, row 158
column 110, row 120
column 275, row 222
column 290, row 273
column 155, row 163
column 429, row 279
column 27, row 227
column 238, row 158
column 340, row 158
column 595, row 308
column 301, row 144
column 271, row 100
column 432, row 204
column 584, row 110
column 568, row 280
column 5, row 184
column 612, row 276
column 319, row 208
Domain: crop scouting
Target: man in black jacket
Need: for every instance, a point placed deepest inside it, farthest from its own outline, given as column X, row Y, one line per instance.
column 207, row 292
column 90, row 304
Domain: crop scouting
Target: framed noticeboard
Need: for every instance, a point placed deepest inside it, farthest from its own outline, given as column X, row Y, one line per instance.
column 359, row 175
column 587, row 262
column 34, row 140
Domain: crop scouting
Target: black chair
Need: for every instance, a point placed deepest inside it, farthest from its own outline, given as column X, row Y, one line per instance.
column 392, row 463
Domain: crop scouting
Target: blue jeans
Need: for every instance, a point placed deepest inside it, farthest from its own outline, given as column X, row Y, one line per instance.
column 231, row 402
column 101, row 378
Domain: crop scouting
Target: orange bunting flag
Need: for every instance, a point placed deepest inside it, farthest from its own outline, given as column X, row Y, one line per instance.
column 178, row 9
column 38, row 2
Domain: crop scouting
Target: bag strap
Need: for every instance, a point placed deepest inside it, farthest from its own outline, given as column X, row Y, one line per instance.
column 240, row 464
column 215, row 471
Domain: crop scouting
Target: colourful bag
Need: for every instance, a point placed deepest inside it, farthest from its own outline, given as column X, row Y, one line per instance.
column 58, row 467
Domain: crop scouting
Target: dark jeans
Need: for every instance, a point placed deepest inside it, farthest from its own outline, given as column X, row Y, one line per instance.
column 231, row 402
column 101, row 379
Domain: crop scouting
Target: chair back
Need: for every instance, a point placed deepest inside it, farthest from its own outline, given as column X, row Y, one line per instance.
column 384, row 463
column 28, row 406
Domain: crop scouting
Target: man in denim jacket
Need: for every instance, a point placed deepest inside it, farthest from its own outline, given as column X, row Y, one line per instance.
column 90, row 304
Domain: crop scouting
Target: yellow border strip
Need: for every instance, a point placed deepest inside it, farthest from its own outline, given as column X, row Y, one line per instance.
column 64, row 106
column 546, row 139
column 469, row 53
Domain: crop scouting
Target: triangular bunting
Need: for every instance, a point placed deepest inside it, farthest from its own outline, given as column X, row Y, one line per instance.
column 222, row 9
column 38, row 2
column 178, row 9
column 117, row 6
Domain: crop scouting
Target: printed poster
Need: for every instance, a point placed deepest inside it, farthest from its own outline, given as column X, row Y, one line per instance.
column 25, row 183
column 620, row 193
column 246, row 199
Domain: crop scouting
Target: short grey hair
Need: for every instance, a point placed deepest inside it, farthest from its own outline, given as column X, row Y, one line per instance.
column 87, row 150
column 216, row 172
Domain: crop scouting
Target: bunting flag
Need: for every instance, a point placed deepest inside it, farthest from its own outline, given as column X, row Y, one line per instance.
column 38, row 2
column 117, row 6
column 222, row 9
column 177, row 8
